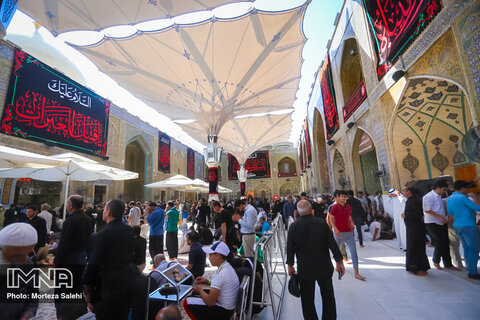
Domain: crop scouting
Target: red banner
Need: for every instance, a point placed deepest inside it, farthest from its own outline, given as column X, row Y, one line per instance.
column 300, row 155
column 328, row 95
column 307, row 142
column 355, row 101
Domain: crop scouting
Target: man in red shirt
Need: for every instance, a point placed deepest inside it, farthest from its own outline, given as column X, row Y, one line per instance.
column 342, row 224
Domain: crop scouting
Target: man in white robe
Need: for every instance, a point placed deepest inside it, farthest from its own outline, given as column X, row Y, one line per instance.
column 395, row 206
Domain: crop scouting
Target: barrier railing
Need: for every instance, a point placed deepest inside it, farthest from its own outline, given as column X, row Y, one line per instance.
column 273, row 246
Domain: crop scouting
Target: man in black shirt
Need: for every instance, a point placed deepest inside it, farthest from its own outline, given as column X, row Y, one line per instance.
column 40, row 226
column 226, row 223
column 203, row 213
column 73, row 245
column 139, row 249
column 110, row 267
column 318, row 207
column 196, row 257
column 310, row 239
column 358, row 215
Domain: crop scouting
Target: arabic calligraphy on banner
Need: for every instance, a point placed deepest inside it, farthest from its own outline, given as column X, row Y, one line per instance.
column 190, row 163
column 395, row 24
column 163, row 152
column 257, row 164
column 328, row 96
column 44, row 105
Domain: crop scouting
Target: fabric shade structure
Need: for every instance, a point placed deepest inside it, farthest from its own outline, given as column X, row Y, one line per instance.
column 73, row 168
column 204, row 187
column 182, row 183
column 67, row 15
column 15, row 158
column 203, row 75
column 178, row 182
column 243, row 136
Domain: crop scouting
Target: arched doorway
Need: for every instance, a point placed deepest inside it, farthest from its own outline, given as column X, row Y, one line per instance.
column 430, row 132
column 365, row 163
column 262, row 191
column 320, row 149
column 179, row 165
column 351, row 69
column 339, row 175
column 288, row 189
column 136, row 161
column 287, row 167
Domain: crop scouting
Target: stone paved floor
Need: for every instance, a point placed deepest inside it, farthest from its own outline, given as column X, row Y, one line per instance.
column 389, row 292
column 392, row 293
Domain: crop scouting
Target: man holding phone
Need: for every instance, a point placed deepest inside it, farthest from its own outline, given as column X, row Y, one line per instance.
column 310, row 239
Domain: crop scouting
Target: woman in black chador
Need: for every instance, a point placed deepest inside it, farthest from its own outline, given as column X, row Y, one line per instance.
column 417, row 260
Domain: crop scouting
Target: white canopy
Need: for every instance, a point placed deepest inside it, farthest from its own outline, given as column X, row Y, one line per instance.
column 15, row 158
column 243, row 136
column 205, row 74
column 66, row 15
column 204, row 187
column 178, row 182
column 73, row 167
column 183, row 183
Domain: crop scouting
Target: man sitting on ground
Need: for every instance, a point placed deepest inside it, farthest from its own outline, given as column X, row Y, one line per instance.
column 265, row 226
column 196, row 256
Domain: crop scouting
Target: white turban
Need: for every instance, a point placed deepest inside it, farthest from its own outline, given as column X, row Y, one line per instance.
column 18, row 235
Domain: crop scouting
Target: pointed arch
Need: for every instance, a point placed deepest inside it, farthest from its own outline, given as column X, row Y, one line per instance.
column 288, row 189
column 287, row 167
column 365, row 163
column 428, row 128
column 138, row 158
column 179, row 164
column 339, row 174
column 320, row 152
column 262, row 191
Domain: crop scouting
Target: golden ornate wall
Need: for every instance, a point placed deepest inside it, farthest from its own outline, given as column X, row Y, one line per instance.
column 429, row 125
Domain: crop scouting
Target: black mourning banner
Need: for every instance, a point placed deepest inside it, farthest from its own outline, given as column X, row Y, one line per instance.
column 395, row 25
column 163, row 152
column 257, row 165
column 45, row 105
column 328, row 95
column 190, row 163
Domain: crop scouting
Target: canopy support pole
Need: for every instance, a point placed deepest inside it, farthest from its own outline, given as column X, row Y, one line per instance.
column 213, row 157
column 65, row 199
column 242, row 177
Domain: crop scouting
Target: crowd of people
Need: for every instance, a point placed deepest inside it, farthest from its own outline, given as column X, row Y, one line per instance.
column 105, row 246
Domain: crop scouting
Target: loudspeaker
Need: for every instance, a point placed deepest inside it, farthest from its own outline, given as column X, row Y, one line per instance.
column 398, row 75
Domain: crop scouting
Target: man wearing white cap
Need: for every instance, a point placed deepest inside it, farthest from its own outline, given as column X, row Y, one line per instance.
column 395, row 206
column 219, row 303
column 16, row 242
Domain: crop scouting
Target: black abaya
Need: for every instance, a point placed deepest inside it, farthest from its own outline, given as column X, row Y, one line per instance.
column 417, row 259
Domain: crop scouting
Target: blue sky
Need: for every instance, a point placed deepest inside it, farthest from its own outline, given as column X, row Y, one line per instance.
column 318, row 28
